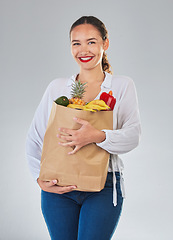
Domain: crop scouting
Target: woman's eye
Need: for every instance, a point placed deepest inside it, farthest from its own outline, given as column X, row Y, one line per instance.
column 91, row 43
column 74, row 44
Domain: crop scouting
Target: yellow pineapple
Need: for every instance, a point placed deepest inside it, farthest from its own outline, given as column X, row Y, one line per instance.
column 77, row 93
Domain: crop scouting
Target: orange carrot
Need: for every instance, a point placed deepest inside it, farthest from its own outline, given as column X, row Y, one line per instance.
column 110, row 93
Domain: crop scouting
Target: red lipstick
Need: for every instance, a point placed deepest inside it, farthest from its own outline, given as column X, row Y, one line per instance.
column 85, row 59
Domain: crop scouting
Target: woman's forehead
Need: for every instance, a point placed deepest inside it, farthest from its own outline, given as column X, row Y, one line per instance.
column 85, row 31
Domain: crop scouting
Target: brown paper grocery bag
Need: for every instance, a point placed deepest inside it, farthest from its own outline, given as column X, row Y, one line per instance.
column 87, row 168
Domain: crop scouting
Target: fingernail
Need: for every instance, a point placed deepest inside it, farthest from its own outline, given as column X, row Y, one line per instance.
column 75, row 118
column 74, row 187
column 54, row 181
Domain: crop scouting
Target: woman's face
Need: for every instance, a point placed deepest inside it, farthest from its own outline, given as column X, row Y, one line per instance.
column 87, row 46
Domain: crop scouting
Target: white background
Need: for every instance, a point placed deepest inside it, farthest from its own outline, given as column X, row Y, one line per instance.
column 35, row 49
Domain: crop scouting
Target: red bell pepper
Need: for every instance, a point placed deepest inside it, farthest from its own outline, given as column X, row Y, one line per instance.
column 108, row 99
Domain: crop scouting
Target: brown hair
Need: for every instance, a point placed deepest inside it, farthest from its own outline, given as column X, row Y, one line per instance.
column 99, row 25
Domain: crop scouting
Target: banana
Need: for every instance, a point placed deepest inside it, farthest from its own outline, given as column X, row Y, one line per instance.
column 96, row 107
column 89, row 109
column 93, row 106
column 97, row 104
column 100, row 103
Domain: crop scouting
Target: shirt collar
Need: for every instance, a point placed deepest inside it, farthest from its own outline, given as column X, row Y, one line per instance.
column 107, row 83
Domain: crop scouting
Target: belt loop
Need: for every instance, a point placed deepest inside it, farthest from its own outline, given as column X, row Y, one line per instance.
column 114, row 185
column 120, row 166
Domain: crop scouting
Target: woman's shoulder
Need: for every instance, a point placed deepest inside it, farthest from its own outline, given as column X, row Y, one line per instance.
column 120, row 84
column 62, row 81
column 122, row 79
column 58, row 87
column 58, row 82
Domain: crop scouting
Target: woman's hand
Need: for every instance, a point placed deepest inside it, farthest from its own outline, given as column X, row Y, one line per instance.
column 81, row 137
column 50, row 186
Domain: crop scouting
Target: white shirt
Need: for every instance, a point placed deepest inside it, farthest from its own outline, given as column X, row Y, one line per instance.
column 126, row 122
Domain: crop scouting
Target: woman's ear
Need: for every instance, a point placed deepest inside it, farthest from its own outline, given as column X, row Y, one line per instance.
column 106, row 44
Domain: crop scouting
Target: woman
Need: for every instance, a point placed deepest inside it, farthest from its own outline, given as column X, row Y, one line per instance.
column 81, row 215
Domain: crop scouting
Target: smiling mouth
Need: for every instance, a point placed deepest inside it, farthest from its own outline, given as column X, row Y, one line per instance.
column 85, row 59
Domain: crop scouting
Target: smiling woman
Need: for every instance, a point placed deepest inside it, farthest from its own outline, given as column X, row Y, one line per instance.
column 88, row 46
column 70, row 214
column 102, row 33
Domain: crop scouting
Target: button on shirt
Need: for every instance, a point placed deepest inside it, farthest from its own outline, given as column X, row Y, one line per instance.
column 126, row 122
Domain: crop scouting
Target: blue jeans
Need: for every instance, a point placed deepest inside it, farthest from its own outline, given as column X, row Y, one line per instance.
column 81, row 215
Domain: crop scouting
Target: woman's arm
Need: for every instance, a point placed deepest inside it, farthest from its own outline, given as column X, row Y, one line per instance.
column 34, row 143
column 81, row 137
column 35, row 136
column 127, row 135
column 122, row 140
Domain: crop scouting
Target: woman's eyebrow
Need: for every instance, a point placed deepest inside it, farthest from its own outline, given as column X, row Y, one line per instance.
column 91, row 39
column 87, row 40
column 75, row 41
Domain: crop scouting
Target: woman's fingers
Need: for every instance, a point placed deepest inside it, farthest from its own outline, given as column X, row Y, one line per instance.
column 46, row 184
column 50, row 183
column 67, row 138
column 75, row 150
column 81, row 121
column 71, row 131
column 50, row 186
column 62, row 190
column 66, row 130
column 76, row 138
column 66, row 144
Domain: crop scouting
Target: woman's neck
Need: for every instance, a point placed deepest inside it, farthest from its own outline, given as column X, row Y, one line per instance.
column 91, row 76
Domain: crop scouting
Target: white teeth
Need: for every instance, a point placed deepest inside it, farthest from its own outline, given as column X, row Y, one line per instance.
column 86, row 58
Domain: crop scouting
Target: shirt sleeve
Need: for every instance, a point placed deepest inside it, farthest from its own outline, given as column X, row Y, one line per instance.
column 36, row 132
column 126, row 136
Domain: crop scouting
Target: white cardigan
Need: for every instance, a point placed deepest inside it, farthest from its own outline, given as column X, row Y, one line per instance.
column 126, row 123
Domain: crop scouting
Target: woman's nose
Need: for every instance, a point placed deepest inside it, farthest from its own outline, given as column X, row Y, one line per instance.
column 84, row 49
